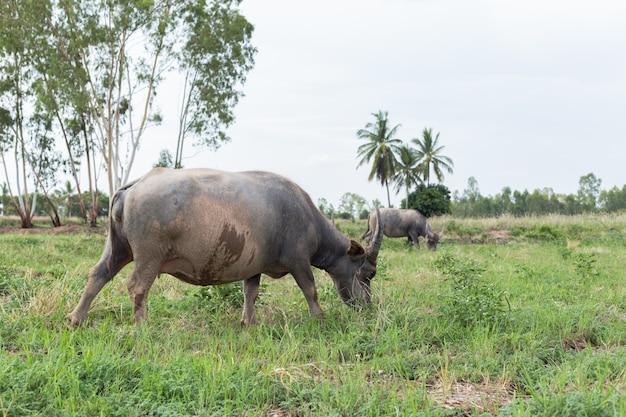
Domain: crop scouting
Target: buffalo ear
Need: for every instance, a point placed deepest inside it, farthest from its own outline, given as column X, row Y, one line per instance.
column 355, row 249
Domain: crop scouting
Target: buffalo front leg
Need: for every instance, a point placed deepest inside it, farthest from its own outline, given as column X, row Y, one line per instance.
column 414, row 237
column 139, row 283
column 250, row 294
column 306, row 282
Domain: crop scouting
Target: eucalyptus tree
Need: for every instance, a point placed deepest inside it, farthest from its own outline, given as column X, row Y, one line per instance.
column 428, row 152
column 96, row 68
column 407, row 173
column 18, row 22
column 380, row 149
column 215, row 59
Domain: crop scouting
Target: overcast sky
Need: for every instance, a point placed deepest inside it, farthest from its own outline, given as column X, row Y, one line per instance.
column 526, row 94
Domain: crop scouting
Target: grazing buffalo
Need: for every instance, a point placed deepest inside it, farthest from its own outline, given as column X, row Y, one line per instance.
column 208, row 227
column 403, row 223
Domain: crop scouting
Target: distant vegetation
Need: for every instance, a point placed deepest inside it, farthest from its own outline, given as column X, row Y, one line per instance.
column 436, row 200
column 590, row 198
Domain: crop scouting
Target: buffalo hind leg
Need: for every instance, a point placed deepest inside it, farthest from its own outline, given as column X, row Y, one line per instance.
column 103, row 272
column 139, row 282
column 250, row 294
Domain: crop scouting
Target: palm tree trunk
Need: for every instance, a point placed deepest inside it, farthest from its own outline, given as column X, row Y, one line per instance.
column 388, row 198
column 406, row 202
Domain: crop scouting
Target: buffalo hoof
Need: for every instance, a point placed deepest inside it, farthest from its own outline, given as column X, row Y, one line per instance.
column 250, row 322
column 73, row 320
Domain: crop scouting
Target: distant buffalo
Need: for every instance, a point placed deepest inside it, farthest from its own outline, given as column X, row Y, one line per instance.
column 404, row 223
column 208, row 227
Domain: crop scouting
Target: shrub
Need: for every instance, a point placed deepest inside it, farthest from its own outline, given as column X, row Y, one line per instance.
column 539, row 232
column 431, row 200
column 472, row 300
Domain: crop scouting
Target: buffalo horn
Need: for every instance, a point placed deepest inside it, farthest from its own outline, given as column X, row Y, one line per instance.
column 377, row 240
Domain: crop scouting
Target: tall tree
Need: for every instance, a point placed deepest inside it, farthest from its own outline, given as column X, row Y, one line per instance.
column 19, row 22
column 352, row 204
column 215, row 59
column 589, row 191
column 429, row 153
column 380, row 149
column 407, row 174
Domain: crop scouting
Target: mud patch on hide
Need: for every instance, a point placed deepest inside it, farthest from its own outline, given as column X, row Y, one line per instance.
column 228, row 251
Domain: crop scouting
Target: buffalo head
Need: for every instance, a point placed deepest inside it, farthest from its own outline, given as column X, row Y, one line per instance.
column 353, row 273
column 432, row 238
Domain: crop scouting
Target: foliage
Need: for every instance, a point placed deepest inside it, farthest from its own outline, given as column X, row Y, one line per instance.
column 165, row 160
column 220, row 297
column 431, row 200
column 407, row 174
column 586, row 265
column 429, row 154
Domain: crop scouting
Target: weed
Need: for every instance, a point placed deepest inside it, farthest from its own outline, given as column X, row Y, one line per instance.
column 571, row 404
column 220, row 297
column 585, row 264
column 472, row 299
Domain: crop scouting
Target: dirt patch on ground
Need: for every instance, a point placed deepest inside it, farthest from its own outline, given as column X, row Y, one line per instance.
column 485, row 397
column 69, row 229
column 499, row 236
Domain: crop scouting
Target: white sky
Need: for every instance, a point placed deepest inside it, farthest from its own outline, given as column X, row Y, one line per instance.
column 526, row 94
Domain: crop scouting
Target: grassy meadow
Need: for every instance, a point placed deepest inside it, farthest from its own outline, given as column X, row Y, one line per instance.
column 509, row 317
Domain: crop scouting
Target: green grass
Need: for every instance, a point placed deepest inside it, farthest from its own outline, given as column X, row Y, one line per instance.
column 509, row 317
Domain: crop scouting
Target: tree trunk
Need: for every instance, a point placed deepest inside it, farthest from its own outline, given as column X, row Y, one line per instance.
column 388, row 197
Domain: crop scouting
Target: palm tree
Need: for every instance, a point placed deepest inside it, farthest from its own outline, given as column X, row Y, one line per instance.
column 407, row 171
column 381, row 147
column 429, row 154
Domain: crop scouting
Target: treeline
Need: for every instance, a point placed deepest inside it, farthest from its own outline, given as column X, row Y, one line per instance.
column 590, row 198
column 436, row 200
column 66, row 204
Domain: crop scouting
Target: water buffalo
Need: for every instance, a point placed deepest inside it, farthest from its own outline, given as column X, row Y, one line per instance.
column 403, row 223
column 208, row 227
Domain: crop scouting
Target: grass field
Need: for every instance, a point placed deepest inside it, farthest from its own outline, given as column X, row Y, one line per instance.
column 509, row 317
